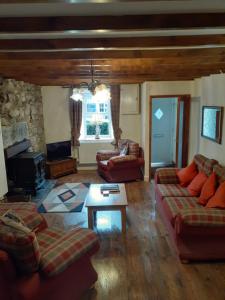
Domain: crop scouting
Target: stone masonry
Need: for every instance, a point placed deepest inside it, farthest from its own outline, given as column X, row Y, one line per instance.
column 20, row 101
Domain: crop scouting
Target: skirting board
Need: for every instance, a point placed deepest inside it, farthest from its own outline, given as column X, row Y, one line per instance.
column 91, row 166
column 146, row 178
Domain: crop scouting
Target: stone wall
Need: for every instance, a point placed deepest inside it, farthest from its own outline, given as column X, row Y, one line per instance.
column 20, row 101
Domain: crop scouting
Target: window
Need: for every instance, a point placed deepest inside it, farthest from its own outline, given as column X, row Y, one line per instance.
column 96, row 117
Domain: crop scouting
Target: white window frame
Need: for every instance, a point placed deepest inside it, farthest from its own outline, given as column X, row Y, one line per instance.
column 84, row 137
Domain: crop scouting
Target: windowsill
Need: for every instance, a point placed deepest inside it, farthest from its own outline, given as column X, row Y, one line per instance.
column 96, row 141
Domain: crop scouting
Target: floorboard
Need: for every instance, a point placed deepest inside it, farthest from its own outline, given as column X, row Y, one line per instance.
column 144, row 265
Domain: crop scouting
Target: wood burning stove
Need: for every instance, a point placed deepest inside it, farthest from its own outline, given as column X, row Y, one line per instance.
column 25, row 169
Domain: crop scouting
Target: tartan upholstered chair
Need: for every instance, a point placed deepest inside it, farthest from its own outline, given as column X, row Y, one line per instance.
column 42, row 263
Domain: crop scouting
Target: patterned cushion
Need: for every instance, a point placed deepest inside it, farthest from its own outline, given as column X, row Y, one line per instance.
column 119, row 159
column 169, row 190
column 22, row 247
column 204, row 164
column 220, row 172
column 173, row 205
column 208, row 167
column 167, row 175
column 59, row 249
column 122, row 143
column 203, row 217
column 133, row 149
column 32, row 220
column 200, row 161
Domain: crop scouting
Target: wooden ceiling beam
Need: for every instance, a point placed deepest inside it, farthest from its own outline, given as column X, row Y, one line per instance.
column 101, row 54
column 106, row 43
column 127, row 22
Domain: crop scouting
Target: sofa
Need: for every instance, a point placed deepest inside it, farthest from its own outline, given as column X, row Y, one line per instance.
column 122, row 164
column 43, row 262
column 197, row 231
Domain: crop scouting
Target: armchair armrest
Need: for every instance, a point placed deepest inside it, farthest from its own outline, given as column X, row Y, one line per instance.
column 207, row 220
column 166, row 176
column 127, row 161
column 106, row 154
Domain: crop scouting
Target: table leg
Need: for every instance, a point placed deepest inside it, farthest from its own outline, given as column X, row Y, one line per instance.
column 124, row 219
column 90, row 218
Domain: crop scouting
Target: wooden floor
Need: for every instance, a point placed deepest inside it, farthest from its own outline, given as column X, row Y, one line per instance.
column 143, row 266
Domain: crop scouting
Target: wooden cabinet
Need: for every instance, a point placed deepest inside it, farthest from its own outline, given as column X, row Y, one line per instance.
column 59, row 168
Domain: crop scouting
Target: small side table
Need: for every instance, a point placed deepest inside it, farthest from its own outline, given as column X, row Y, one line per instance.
column 57, row 168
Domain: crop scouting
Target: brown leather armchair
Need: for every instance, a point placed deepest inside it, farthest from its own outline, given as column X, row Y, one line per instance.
column 114, row 167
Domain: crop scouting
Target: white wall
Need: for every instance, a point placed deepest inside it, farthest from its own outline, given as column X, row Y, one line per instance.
column 57, row 123
column 211, row 91
column 3, row 178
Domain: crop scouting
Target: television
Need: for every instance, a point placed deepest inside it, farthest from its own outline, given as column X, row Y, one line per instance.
column 59, row 150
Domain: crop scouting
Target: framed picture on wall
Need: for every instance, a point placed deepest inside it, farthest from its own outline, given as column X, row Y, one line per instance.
column 212, row 119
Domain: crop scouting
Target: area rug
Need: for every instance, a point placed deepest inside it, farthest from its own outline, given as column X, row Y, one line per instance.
column 68, row 197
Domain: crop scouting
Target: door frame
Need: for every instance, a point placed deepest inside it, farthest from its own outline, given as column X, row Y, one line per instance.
column 186, row 98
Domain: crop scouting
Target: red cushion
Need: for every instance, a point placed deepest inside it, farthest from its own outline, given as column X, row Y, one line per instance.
column 218, row 200
column 186, row 175
column 208, row 189
column 196, row 184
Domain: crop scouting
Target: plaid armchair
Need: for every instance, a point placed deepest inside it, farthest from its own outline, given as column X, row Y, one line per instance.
column 122, row 164
column 42, row 262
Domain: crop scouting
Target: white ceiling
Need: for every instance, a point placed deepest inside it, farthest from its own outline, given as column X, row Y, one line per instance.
column 104, row 7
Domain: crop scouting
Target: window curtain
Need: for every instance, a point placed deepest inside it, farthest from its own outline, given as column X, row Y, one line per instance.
column 75, row 108
column 115, row 113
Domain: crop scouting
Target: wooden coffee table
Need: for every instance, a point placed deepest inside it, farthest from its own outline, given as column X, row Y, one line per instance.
column 95, row 201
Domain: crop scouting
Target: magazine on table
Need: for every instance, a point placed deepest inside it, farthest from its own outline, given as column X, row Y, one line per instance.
column 111, row 188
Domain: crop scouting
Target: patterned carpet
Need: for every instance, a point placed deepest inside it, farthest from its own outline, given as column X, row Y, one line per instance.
column 67, row 197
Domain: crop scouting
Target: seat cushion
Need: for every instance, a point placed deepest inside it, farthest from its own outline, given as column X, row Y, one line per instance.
column 59, row 249
column 173, row 206
column 169, row 190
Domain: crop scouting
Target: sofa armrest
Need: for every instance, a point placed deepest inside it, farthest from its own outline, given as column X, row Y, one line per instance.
column 203, row 218
column 106, row 154
column 166, row 176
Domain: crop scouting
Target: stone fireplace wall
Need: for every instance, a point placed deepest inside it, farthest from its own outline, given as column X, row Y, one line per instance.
column 22, row 102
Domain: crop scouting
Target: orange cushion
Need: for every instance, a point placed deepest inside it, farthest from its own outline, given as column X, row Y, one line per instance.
column 208, row 189
column 218, row 200
column 196, row 184
column 186, row 175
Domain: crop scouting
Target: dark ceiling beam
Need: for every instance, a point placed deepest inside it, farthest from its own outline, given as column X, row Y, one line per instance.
column 79, row 43
column 128, row 22
column 113, row 54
